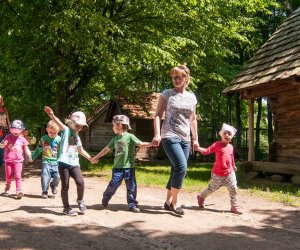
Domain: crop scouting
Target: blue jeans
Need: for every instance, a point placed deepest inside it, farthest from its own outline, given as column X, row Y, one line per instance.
column 178, row 154
column 118, row 174
column 49, row 170
column 1, row 152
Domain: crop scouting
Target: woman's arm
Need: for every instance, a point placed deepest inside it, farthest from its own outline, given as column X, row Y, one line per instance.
column 50, row 113
column 160, row 109
column 194, row 130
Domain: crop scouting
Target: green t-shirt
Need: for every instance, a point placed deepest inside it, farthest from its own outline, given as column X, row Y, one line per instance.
column 124, row 146
column 48, row 147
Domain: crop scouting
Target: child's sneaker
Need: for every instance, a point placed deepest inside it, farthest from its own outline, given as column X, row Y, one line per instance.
column 20, row 195
column 81, row 206
column 69, row 211
column 236, row 210
column 45, row 195
column 200, row 201
column 53, row 188
column 134, row 209
column 6, row 192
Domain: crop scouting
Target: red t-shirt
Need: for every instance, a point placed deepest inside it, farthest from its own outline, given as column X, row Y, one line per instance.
column 224, row 164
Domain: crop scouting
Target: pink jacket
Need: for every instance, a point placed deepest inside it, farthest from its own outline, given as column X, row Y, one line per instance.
column 224, row 164
column 14, row 148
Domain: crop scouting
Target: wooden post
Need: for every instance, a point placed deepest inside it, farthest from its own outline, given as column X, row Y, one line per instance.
column 251, row 155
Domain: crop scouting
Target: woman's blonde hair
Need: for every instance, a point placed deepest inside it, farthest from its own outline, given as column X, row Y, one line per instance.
column 184, row 70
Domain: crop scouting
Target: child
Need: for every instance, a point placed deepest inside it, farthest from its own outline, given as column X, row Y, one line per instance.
column 223, row 172
column 68, row 160
column 49, row 145
column 15, row 145
column 124, row 144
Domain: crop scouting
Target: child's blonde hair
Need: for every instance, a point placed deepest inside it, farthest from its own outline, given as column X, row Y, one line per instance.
column 52, row 125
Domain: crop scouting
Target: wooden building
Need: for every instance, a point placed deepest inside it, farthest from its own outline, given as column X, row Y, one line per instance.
column 141, row 114
column 274, row 72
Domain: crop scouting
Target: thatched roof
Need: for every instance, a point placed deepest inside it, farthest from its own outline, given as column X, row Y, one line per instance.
column 277, row 60
column 144, row 107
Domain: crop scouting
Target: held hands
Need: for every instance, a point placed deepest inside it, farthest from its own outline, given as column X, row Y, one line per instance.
column 94, row 160
column 156, row 141
column 3, row 144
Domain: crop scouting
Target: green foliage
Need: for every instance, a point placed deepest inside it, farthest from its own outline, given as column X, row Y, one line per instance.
column 76, row 54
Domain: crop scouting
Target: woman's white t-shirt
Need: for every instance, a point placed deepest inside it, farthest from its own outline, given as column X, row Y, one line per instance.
column 180, row 107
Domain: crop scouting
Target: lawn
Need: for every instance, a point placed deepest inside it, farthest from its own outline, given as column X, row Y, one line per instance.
column 156, row 174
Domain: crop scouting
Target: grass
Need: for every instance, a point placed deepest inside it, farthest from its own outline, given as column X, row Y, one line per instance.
column 156, row 174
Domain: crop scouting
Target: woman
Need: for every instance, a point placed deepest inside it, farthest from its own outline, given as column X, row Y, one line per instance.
column 4, row 126
column 180, row 120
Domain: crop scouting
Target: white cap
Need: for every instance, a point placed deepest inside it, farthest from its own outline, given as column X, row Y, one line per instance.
column 226, row 127
column 122, row 119
column 79, row 118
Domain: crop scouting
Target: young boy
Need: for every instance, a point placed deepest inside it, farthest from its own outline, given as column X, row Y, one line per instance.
column 124, row 144
column 49, row 145
column 223, row 172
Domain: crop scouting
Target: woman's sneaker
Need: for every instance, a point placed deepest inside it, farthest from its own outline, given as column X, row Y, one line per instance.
column 200, row 201
column 69, row 211
column 20, row 195
column 81, row 206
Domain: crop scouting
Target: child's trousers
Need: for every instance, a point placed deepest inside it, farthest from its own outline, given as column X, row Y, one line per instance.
column 118, row 174
column 217, row 181
column 13, row 169
column 49, row 170
column 67, row 171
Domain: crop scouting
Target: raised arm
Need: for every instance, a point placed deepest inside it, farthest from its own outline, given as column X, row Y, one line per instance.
column 50, row 113
column 160, row 109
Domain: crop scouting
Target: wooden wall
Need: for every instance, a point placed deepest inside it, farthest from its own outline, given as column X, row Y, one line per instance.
column 99, row 133
column 286, row 109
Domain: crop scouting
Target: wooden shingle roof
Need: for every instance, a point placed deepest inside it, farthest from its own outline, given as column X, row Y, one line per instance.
column 144, row 107
column 277, row 60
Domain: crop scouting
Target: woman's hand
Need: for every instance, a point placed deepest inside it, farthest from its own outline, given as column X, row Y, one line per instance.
column 196, row 145
column 156, row 140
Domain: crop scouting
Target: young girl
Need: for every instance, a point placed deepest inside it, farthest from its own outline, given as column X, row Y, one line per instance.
column 223, row 172
column 68, row 160
column 15, row 144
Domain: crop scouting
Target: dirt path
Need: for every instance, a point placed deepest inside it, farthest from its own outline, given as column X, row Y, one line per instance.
column 35, row 223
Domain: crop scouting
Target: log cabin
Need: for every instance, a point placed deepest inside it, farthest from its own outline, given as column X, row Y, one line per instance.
column 141, row 114
column 274, row 73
